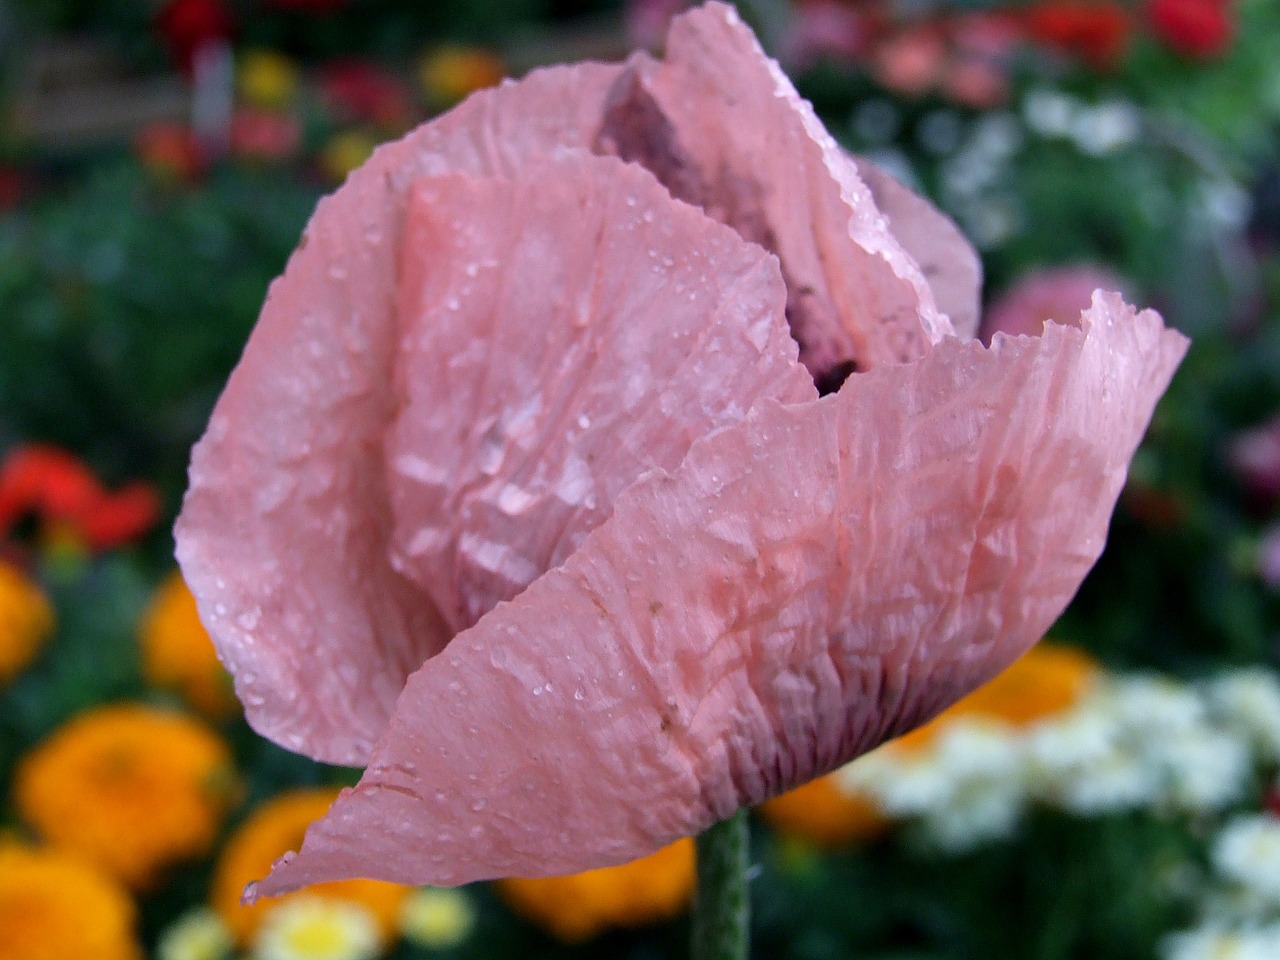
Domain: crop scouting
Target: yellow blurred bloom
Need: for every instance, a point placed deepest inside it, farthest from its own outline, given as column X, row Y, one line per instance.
column 437, row 918
column 823, row 813
column 1048, row 680
column 54, row 906
column 447, row 74
column 198, row 934
column 266, row 78
column 177, row 653
column 26, row 620
column 308, row 927
column 579, row 906
column 130, row 788
column 271, row 830
column 345, row 152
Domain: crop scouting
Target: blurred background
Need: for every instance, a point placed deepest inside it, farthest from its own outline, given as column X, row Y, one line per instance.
column 1114, row 795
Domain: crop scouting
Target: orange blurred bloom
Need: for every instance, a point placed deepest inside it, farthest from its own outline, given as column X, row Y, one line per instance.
column 1048, row 680
column 825, row 814
column 273, row 829
column 130, row 788
column 26, row 620
column 54, row 906
column 178, row 655
column 580, row 906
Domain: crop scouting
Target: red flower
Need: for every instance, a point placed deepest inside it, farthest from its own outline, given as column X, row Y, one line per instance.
column 63, row 493
column 187, row 25
column 360, row 91
column 1097, row 32
column 1199, row 29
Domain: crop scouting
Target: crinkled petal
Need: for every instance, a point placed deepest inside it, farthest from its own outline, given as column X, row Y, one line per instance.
column 561, row 334
column 945, row 256
column 804, row 585
column 722, row 127
column 298, row 591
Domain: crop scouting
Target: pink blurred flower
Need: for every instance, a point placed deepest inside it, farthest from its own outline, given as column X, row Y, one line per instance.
column 824, row 30
column 585, row 513
column 1057, row 293
column 1254, row 457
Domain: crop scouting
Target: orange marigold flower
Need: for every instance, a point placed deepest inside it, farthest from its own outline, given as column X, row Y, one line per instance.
column 131, row 788
column 825, row 814
column 271, row 830
column 578, row 907
column 26, row 620
column 177, row 653
column 54, row 906
column 1047, row 680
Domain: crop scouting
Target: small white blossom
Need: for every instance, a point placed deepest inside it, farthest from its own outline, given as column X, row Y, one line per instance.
column 1247, row 852
column 1215, row 942
column 318, row 928
column 199, row 934
column 1248, row 701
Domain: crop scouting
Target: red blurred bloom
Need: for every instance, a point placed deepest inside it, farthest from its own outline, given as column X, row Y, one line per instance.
column 265, row 135
column 187, row 25
column 171, row 151
column 61, row 491
column 12, row 187
column 360, row 91
column 1253, row 456
column 1199, row 29
column 1097, row 31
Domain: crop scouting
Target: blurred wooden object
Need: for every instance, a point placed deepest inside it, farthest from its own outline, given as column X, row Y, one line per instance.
column 74, row 94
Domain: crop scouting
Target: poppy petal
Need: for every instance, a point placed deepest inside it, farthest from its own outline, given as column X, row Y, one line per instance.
column 722, row 127
column 806, row 584
column 561, row 334
column 298, row 591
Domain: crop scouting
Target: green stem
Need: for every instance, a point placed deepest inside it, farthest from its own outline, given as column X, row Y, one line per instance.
column 720, row 906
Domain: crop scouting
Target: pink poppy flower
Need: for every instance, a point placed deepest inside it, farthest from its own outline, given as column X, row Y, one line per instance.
column 1057, row 294
column 603, row 462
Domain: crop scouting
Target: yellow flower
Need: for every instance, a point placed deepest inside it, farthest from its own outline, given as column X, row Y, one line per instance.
column 131, row 788
column 579, row 906
column 345, row 152
column 177, row 653
column 26, row 620
column 53, row 906
column 308, row 927
column 825, row 814
column 1047, row 680
column 198, row 934
column 437, row 918
column 274, row 828
column 448, row 74
column 266, row 79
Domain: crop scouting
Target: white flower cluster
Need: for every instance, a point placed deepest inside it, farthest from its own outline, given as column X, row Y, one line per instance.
column 1242, row 916
column 313, row 927
column 1136, row 742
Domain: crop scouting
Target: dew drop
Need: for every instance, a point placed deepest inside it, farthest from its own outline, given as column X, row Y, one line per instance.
column 479, row 804
column 579, row 694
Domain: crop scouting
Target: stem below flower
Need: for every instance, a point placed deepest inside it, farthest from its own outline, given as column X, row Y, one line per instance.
column 720, row 906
